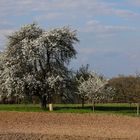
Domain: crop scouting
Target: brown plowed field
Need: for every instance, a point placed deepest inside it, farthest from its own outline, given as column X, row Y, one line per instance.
column 66, row 126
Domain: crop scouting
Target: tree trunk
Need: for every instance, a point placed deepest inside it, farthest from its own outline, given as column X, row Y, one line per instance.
column 50, row 103
column 43, row 102
column 93, row 105
column 138, row 108
column 83, row 102
column 49, row 95
column 130, row 104
column 50, row 107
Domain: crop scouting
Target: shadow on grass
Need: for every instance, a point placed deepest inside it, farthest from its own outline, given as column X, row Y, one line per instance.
column 72, row 108
column 117, row 109
column 114, row 108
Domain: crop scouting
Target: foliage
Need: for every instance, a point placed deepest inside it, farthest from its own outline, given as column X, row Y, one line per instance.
column 90, row 87
column 36, row 61
column 128, row 89
column 82, row 73
column 94, row 88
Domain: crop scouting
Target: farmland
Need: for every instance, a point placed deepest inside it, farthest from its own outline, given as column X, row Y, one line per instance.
column 68, row 126
column 70, row 122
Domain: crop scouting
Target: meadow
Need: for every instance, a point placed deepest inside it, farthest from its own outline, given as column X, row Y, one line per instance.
column 114, row 108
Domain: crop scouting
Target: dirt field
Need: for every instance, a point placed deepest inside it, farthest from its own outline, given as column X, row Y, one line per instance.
column 64, row 126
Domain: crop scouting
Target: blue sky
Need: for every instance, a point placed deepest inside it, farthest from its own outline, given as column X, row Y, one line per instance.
column 109, row 30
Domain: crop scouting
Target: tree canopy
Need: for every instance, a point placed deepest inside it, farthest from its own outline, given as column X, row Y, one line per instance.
column 94, row 88
column 36, row 60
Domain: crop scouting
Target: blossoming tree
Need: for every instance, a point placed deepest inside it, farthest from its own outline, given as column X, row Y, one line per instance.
column 94, row 88
column 36, row 61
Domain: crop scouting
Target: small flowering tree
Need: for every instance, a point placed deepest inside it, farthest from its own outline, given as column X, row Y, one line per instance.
column 82, row 75
column 36, row 61
column 94, row 88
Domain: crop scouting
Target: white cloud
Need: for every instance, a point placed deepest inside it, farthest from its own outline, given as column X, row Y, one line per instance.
column 86, row 7
column 134, row 2
column 125, row 13
column 5, row 22
column 5, row 32
column 49, row 16
column 94, row 7
column 94, row 26
column 134, row 55
column 93, row 23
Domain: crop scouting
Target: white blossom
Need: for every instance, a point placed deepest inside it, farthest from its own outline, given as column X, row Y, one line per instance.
column 36, row 60
column 93, row 87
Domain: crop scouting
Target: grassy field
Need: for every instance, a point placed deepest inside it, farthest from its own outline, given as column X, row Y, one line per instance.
column 123, row 109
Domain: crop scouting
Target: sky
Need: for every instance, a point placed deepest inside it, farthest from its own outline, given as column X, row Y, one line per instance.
column 108, row 30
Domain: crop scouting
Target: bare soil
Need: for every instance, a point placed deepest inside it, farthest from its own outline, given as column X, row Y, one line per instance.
column 67, row 126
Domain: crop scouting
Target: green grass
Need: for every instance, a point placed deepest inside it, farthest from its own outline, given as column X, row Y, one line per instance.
column 20, row 108
column 123, row 109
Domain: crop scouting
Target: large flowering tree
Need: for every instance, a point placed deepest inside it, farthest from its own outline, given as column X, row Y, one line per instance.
column 36, row 61
column 1, row 71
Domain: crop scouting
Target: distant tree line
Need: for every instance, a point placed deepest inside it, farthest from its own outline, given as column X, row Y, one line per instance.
column 127, row 89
